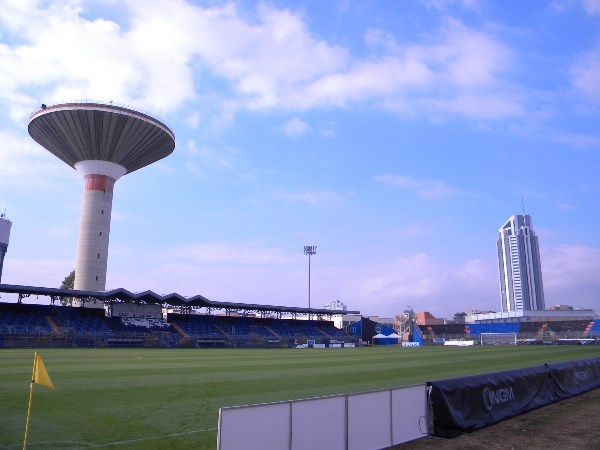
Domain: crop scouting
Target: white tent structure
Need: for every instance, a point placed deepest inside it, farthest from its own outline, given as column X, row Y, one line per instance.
column 382, row 339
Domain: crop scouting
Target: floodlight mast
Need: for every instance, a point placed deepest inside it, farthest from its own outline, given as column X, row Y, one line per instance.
column 102, row 141
column 309, row 250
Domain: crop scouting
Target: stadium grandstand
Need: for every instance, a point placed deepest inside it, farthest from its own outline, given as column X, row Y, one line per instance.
column 148, row 319
column 139, row 320
column 547, row 326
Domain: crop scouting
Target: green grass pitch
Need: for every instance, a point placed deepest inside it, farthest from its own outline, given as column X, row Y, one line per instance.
column 166, row 398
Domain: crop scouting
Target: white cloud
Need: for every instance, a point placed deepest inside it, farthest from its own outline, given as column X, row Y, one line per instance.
column 270, row 275
column 577, row 140
column 329, row 129
column 63, row 230
column 223, row 252
column 67, row 56
column 445, row 4
column 192, row 120
column 195, row 170
column 24, row 163
column 267, row 275
column 470, row 58
column 430, row 189
column 315, row 198
column 474, row 106
column 35, row 272
column 410, row 232
column 570, row 274
column 421, row 282
column 565, row 207
column 191, row 147
column 295, row 127
column 585, row 74
column 210, row 159
column 592, row 7
column 156, row 56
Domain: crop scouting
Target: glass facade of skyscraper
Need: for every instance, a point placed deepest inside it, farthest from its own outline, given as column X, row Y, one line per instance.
column 521, row 286
column 5, row 225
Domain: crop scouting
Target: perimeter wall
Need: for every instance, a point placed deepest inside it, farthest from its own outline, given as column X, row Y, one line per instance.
column 381, row 419
column 370, row 420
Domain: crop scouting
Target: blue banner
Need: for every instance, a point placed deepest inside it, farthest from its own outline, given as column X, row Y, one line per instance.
column 470, row 403
column 574, row 377
column 466, row 404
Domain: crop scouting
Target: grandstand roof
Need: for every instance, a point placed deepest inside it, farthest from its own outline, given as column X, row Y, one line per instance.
column 150, row 297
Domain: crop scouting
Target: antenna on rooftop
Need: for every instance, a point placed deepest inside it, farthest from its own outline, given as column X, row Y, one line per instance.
column 523, row 205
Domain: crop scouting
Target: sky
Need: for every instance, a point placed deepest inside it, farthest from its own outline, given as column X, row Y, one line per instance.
column 396, row 136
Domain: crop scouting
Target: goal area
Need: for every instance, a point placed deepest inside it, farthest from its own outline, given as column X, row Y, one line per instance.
column 498, row 339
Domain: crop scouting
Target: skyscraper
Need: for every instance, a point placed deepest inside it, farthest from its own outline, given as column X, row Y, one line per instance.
column 520, row 267
column 5, row 225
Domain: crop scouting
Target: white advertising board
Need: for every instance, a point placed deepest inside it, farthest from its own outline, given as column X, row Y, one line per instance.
column 258, row 427
column 369, row 422
column 460, row 343
column 409, row 414
column 319, row 423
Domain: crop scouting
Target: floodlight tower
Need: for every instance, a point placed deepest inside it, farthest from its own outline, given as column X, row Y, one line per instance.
column 103, row 142
column 5, row 225
column 309, row 250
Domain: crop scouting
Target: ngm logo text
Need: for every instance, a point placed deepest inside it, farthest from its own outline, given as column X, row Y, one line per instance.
column 582, row 376
column 492, row 397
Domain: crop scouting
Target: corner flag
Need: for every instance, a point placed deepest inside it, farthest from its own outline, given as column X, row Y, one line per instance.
column 40, row 375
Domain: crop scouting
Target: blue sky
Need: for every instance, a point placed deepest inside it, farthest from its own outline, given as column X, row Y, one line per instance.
column 396, row 136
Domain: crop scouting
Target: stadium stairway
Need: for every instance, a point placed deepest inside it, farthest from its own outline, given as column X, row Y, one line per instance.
column 53, row 325
column 431, row 332
column 219, row 329
column 323, row 333
column 179, row 330
column 546, row 332
column 270, row 330
column 588, row 328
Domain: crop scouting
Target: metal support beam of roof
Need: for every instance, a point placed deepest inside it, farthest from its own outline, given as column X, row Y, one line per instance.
column 169, row 300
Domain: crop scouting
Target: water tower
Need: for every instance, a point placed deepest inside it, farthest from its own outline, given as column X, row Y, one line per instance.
column 102, row 142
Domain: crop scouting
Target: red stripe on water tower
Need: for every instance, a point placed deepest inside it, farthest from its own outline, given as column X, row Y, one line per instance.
column 99, row 183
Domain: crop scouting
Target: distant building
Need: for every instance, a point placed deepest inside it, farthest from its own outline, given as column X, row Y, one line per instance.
column 426, row 318
column 335, row 305
column 546, row 316
column 5, row 225
column 480, row 311
column 349, row 319
column 561, row 308
column 387, row 321
column 521, row 286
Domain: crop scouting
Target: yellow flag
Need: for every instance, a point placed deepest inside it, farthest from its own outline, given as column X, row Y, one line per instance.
column 40, row 375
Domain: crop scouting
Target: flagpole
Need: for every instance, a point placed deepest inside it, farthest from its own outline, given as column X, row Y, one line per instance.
column 30, row 399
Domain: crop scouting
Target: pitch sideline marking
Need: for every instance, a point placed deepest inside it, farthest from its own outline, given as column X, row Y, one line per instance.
column 131, row 441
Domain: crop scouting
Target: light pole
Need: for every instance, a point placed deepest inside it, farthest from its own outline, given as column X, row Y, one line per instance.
column 309, row 250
